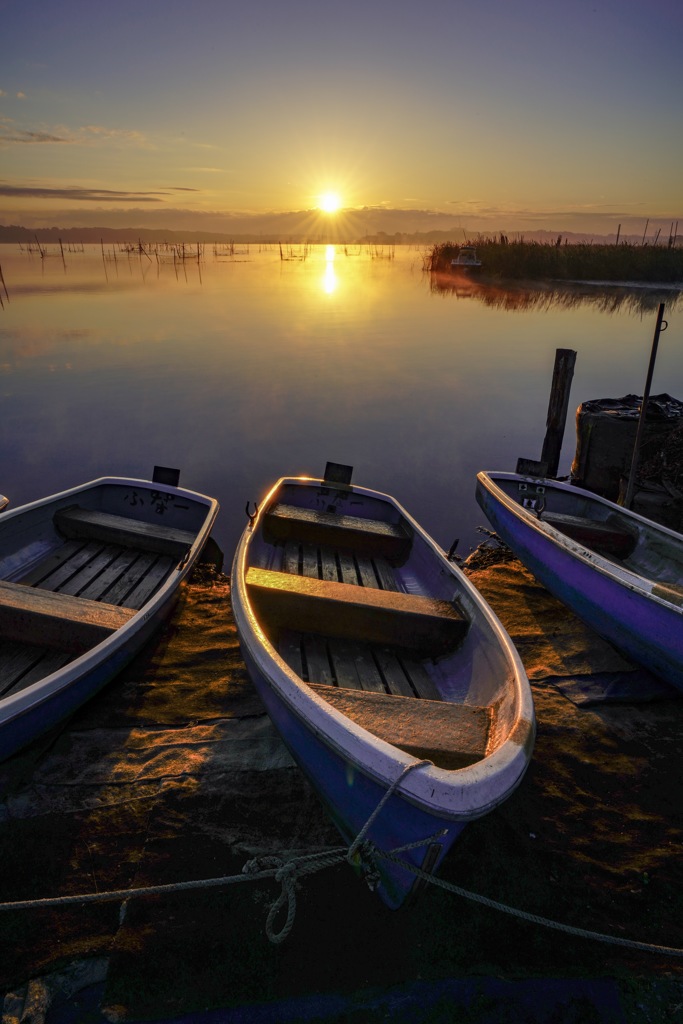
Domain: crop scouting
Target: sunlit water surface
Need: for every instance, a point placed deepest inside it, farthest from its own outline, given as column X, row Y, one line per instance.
column 242, row 367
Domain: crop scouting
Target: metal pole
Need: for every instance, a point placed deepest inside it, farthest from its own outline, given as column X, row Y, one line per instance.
column 660, row 326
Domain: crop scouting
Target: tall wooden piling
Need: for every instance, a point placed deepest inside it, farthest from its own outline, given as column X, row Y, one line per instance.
column 563, row 372
column 660, row 326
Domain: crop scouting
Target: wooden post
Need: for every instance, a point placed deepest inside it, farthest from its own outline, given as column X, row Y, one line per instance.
column 565, row 358
column 660, row 326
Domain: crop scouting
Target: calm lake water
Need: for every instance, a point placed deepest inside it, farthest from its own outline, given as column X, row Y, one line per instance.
column 243, row 367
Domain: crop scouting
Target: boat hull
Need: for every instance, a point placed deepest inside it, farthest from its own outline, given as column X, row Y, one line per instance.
column 351, row 767
column 617, row 604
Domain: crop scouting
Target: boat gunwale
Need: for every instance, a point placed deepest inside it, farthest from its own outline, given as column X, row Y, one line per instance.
column 454, row 794
column 33, row 696
column 621, row 575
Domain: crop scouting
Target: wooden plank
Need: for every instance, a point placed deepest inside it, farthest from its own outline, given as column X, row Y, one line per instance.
column 424, row 624
column 451, row 735
column 288, row 522
column 136, row 571
column 318, row 667
column 33, row 615
column 385, row 574
column 97, row 589
column 600, row 536
column 289, row 649
column 49, row 662
column 420, row 679
column 291, row 559
column 366, row 571
column 15, row 660
column 309, row 561
column 355, row 666
column 87, row 576
column 150, row 582
column 344, row 664
column 112, row 529
column 347, row 568
column 51, row 564
column 328, row 560
column 66, row 568
column 393, row 673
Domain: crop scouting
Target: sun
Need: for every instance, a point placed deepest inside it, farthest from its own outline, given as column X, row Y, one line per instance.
column 329, row 202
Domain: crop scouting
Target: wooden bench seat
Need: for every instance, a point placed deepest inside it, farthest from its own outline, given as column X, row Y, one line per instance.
column 75, row 522
column 604, row 537
column 40, row 617
column 366, row 536
column 423, row 624
column 450, row 735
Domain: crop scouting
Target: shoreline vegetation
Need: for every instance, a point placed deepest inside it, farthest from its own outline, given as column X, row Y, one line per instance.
column 563, row 261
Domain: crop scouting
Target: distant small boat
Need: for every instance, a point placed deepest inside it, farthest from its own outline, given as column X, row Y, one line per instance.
column 619, row 572
column 86, row 576
column 466, row 259
column 372, row 652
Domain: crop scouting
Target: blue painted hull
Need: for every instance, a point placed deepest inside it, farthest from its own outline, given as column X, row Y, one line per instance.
column 649, row 631
column 350, row 797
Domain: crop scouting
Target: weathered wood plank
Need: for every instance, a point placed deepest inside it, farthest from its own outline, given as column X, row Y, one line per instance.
column 286, row 522
column 366, row 572
column 291, row 558
column 49, row 662
column 385, row 574
column 15, row 660
column 328, row 560
column 53, row 562
column 64, row 568
column 420, row 679
column 309, row 561
column 393, row 673
column 151, row 580
column 451, row 735
column 424, row 624
column 347, row 568
column 120, row 561
column 318, row 665
column 113, row 529
column 344, row 663
column 88, row 575
column 289, row 649
column 33, row 615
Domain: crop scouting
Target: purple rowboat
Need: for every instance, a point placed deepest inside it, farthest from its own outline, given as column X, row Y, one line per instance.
column 372, row 653
column 619, row 572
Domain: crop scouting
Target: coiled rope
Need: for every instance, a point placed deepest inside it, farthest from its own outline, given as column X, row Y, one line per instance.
column 361, row 852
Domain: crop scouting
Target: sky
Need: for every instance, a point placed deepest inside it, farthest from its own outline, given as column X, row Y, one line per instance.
column 488, row 115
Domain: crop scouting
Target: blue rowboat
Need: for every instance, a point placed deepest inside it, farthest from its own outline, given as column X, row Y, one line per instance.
column 619, row 572
column 377, row 661
column 86, row 576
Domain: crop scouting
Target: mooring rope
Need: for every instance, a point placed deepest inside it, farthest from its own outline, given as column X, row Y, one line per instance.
column 288, row 872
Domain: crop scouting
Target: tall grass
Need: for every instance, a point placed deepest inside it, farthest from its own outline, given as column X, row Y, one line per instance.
column 564, row 262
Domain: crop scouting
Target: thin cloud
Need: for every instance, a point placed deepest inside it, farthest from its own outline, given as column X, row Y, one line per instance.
column 98, row 195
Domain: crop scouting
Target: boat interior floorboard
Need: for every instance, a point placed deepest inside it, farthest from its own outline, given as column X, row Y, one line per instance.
column 97, row 571
column 349, row 664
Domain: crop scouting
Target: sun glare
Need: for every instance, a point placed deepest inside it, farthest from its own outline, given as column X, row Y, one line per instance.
column 329, row 202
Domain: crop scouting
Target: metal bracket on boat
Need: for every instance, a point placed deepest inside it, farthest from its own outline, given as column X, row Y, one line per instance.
column 252, row 516
column 452, row 549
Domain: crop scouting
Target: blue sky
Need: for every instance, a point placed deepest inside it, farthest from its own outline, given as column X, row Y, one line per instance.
column 504, row 116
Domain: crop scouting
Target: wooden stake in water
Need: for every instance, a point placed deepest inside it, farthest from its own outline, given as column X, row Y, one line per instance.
column 660, row 326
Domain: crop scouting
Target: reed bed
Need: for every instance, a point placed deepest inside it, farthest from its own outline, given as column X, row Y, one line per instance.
column 562, row 261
